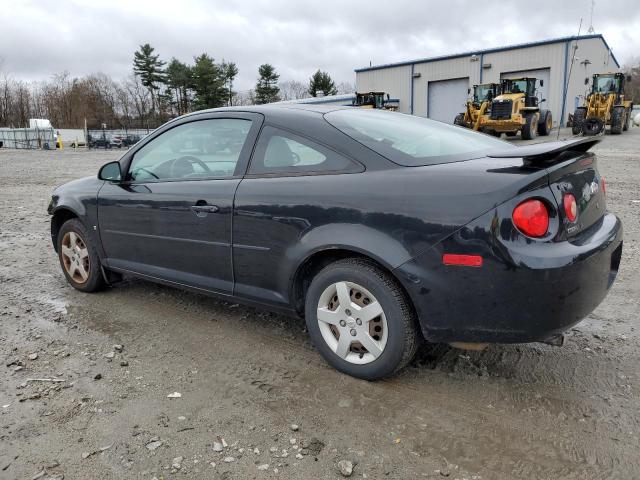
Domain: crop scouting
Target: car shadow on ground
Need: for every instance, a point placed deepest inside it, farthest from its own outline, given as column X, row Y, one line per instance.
column 520, row 363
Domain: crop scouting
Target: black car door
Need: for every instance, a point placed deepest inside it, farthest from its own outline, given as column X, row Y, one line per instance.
column 170, row 218
column 293, row 185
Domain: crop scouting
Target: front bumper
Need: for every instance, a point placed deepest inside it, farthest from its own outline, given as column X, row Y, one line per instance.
column 525, row 291
column 516, row 122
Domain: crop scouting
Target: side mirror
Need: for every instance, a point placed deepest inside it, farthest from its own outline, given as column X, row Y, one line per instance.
column 543, row 100
column 586, row 81
column 110, row 172
column 542, row 83
column 468, row 91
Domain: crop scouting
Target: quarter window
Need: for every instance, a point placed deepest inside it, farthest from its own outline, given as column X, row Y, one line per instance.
column 282, row 152
column 199, row 149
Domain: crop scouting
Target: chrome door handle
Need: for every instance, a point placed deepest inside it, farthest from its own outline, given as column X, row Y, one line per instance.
column 205, row 209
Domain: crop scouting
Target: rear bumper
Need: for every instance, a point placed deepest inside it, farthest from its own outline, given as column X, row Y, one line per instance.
column 525, row 291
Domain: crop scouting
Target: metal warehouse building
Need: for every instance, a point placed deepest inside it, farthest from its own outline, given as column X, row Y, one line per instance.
column 437, row 87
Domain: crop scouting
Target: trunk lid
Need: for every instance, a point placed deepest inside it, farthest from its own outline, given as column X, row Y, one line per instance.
column 580, row 178
column 571, row 169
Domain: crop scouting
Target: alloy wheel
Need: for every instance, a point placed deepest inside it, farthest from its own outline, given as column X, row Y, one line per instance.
column 75, row 257
column 352, row 322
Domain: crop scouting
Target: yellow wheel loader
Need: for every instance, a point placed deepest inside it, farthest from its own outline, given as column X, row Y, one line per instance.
column 478, row 105
column 517, row 109
column 604, row 105
column 375, row 100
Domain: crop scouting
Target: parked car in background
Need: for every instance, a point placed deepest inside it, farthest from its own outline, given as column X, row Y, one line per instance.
column 130, row 139
column 381, row 229
column 98, row 141
column 116, row 141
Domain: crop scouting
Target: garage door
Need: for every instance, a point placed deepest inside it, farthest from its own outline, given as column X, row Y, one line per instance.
column 541, row 74
column 446, row 98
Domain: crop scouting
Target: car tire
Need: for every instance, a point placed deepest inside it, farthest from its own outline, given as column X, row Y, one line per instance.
column 394, row 330
column 459, row 120
column 78, row 257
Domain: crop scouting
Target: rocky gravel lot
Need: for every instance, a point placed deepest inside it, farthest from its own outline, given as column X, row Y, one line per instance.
column 144, row 381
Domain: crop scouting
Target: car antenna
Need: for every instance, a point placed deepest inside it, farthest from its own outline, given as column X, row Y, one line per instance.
column 566, row 85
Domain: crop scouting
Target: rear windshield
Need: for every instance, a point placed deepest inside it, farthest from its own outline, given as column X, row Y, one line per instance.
column 412, row 141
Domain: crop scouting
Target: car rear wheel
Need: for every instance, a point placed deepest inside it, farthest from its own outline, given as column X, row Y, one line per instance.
column 78, row 257
column 360, row 319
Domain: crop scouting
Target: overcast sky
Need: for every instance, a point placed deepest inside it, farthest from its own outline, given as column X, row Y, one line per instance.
column 40, row 38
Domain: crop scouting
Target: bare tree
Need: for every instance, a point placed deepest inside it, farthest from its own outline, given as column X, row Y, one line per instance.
column 293, row 90
column 243, row 98
column 139, row 98
column 632, row 86
column 346, row 87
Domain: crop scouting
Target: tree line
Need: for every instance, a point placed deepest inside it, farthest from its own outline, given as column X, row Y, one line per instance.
column 153, row 93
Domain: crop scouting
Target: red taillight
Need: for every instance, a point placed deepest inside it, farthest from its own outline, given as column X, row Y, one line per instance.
column 603, row 185
column 531, row 217
column 462, row 260
column 570, row 207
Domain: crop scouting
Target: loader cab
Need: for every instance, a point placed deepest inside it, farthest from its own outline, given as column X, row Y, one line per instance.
column 525, row 86
column 608, row 83
column 485, row 92
column 369, row 100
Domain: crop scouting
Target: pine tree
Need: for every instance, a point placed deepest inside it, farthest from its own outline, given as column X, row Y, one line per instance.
column 267, row 87
column 321, row 81
column 229, row 73
column 150, row 70
column 208, row 83
column 179, row 80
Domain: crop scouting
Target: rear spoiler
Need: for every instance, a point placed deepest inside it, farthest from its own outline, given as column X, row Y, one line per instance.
column 546, row 152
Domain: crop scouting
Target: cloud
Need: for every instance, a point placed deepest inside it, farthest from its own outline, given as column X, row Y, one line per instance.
column 42, row 38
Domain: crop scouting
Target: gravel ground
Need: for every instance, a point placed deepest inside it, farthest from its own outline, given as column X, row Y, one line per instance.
column 111, row 360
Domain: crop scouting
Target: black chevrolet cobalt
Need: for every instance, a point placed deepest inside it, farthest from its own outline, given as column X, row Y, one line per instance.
column 381, row 229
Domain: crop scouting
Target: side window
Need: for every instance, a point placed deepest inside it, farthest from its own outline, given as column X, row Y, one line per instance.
column 279, row 151
column 199, row 149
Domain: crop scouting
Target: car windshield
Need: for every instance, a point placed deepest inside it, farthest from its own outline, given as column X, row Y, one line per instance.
column 412, row 141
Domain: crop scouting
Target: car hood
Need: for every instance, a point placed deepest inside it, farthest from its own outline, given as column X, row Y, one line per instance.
column 80, row 185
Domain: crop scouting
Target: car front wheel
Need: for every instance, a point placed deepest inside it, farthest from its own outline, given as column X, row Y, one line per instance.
column 360, row 319
column 78, row 257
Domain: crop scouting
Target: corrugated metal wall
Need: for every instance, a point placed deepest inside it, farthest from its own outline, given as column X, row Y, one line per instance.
column 545, row 56
column 600, row 61
column 397, row 80
column 440, row 70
